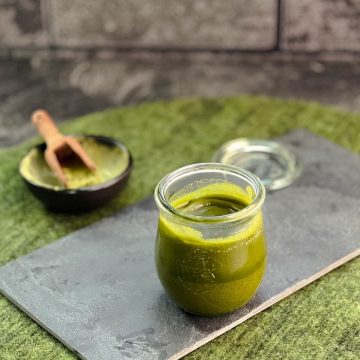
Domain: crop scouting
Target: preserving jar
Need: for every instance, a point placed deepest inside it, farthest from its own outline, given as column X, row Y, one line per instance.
column 210, row 249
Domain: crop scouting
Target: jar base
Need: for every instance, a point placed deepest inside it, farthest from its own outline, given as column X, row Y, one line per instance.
column 213, row 315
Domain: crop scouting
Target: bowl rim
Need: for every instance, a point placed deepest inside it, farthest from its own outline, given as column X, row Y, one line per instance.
column 86, row 189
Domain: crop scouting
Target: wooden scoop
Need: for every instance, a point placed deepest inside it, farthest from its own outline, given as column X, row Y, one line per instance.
column 58, row 146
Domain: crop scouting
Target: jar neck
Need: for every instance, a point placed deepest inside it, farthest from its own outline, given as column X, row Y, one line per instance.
column 168, row 186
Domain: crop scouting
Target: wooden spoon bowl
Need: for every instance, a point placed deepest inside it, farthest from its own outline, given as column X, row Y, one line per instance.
column 80, row 199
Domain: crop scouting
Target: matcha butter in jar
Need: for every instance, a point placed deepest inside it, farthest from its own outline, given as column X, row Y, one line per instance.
column 210, row 248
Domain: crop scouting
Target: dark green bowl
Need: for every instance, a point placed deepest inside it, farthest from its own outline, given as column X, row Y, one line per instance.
column 85, row 198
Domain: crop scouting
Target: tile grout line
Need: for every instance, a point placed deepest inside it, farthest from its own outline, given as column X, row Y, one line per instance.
column 47, row 23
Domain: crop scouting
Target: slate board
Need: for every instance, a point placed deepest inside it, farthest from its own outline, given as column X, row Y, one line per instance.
column 96, row 289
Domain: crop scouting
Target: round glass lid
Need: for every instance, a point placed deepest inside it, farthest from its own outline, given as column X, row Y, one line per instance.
column 274, row 164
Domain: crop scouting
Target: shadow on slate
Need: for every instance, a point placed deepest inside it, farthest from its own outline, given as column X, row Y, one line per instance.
column 96, row 289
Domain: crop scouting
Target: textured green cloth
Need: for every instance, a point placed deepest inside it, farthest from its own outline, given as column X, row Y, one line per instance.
column 321, row 321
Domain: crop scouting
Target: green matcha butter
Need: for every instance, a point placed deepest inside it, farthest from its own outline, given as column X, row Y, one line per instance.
column 110, row 162
column 206, row 271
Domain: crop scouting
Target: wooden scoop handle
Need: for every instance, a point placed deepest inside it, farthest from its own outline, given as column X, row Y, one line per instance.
column 45, row 125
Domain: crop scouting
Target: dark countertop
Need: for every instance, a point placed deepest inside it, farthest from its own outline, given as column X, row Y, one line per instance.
column 69, row 88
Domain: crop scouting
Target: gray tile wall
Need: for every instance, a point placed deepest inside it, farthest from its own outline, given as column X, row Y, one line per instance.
column 316, row 25
column 308, row 25
column 21, row 23
column 200, row 23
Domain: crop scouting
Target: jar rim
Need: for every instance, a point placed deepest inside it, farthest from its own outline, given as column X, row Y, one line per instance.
column 237, row 216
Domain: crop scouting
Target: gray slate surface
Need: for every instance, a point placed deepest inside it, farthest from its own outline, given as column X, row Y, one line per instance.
column 96, row 289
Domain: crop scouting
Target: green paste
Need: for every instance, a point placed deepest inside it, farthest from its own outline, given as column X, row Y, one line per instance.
column 110, row 161
column 211, row 276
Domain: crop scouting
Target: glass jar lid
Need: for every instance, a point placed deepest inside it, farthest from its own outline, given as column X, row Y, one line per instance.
column 274, row 164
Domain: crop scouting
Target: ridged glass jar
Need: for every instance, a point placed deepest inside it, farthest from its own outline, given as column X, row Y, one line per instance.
column 210, row 249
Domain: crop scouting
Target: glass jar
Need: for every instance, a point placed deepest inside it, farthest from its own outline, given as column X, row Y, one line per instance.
column 210, row 249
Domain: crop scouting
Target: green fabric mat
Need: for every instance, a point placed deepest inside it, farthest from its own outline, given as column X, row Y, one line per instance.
column 321, row 321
